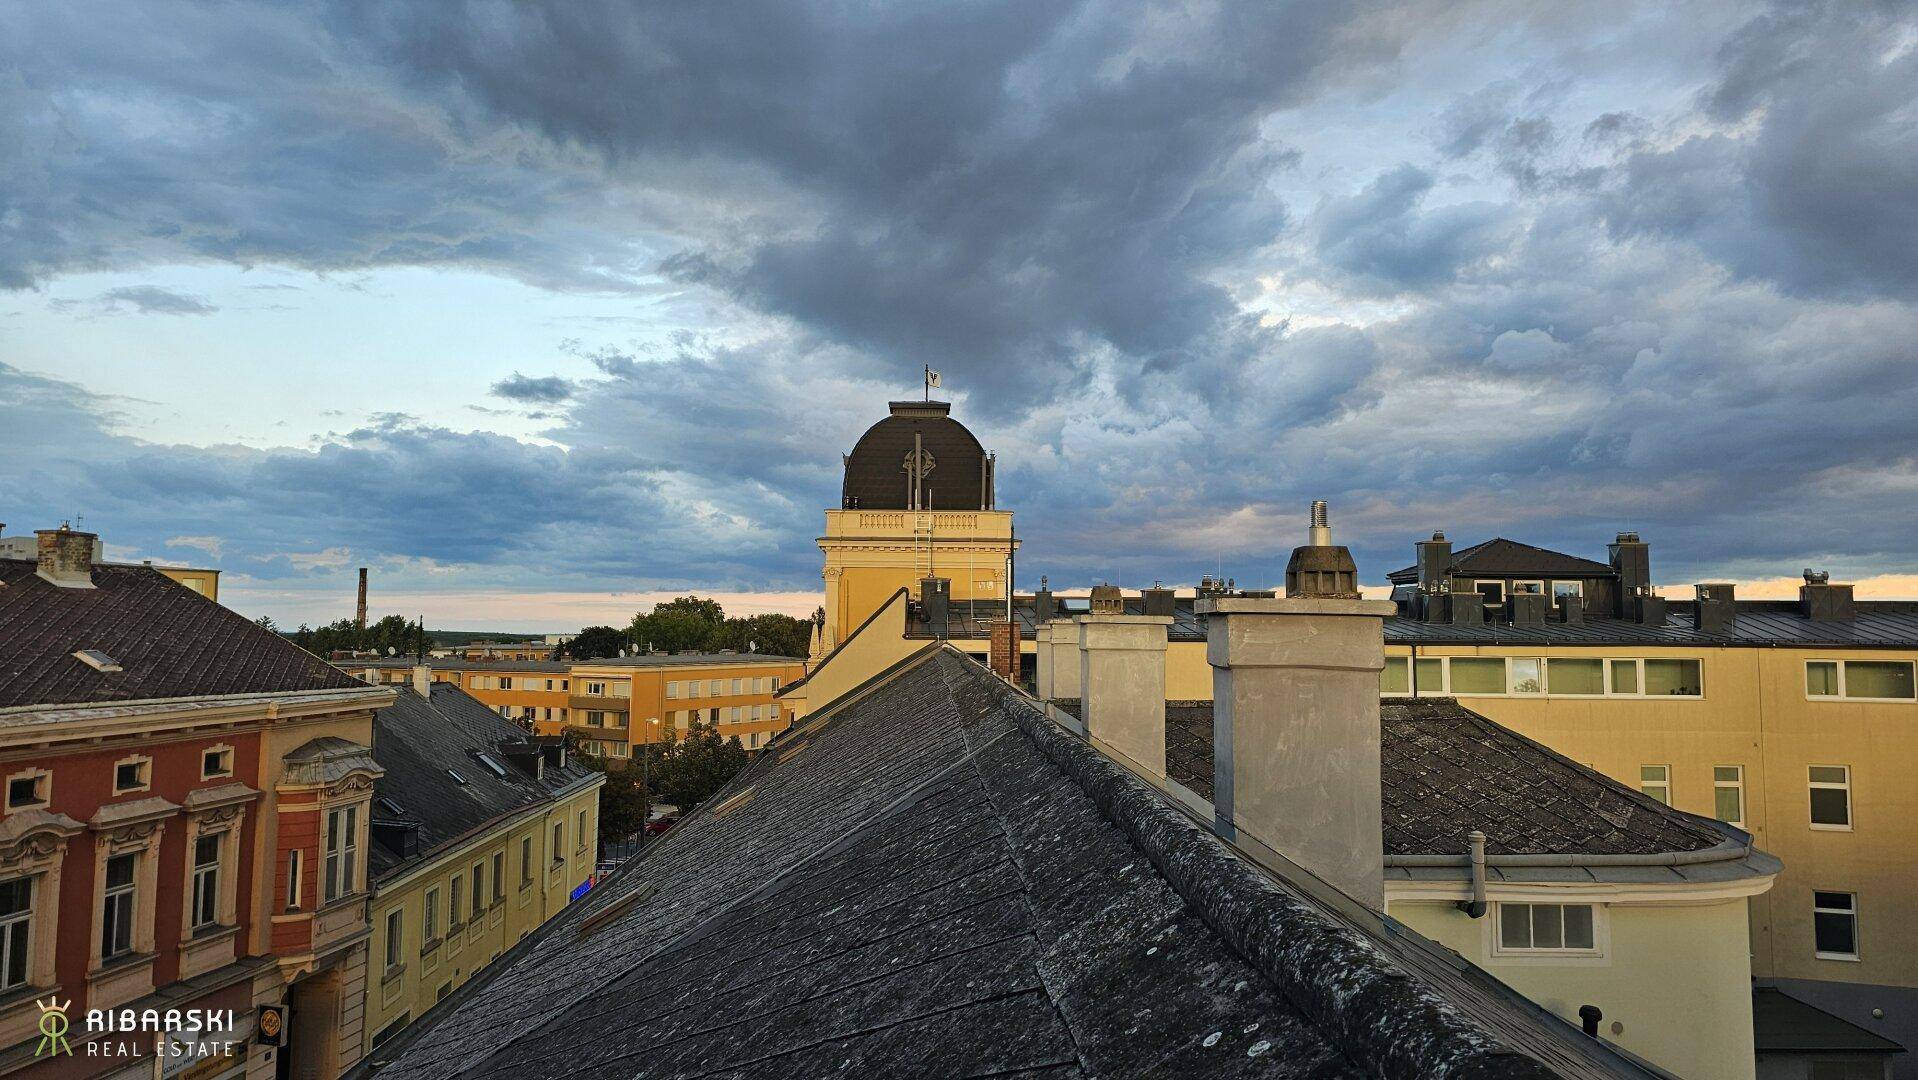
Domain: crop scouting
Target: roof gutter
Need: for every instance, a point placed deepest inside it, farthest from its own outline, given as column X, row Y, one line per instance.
column 1725, row 851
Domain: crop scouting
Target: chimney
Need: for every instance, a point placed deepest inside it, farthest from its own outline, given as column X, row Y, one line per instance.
column 1527, row 609
column 530, row 758
column 1063, row 683
column 1715, row 610
column 1821, row 601
column 1435, row 562
column 1107, row 600
column 1122, row 672
column 935, row 594
column 359, row 620
column 66, row 557
column 423, row 681
column 1160, row 601
column 1319, row 569
column 1296, row 735
column 1631, row 558
column 1044, row 607
column 1042, row 660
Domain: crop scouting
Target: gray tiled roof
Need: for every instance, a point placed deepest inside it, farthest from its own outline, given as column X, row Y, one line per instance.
column 936, row 880
column 1499, row 557
column 169, row 641
column 1782, row 1024
column 418, row 743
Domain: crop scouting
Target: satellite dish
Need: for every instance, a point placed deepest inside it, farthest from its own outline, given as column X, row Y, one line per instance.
column 390, row 650
column 622, row 652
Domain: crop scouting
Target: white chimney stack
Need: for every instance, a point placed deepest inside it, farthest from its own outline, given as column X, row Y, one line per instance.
column 1122, row 678
column 1064, row 680
column 1296, row 734
column 423, row 680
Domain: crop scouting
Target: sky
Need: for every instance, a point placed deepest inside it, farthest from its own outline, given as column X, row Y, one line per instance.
column 544, row 311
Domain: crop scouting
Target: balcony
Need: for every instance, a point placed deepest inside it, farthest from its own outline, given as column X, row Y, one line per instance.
column 581, row 702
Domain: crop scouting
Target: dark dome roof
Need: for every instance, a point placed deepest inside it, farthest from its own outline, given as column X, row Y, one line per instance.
column 958, row 477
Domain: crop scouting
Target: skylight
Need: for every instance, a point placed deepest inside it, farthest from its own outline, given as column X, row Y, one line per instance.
column 454, row 773
column 97, row 660
column 498, row 769
column 391, row 807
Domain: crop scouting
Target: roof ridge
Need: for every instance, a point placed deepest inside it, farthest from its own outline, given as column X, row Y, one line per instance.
column 1331, row 972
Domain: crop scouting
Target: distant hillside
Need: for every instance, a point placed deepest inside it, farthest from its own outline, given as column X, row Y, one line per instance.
column 467, row 637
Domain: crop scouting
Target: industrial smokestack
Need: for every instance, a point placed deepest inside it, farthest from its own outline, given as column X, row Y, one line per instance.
column 359, row 620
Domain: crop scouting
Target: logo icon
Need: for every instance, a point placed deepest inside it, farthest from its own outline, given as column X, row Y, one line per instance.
column 53, row 1028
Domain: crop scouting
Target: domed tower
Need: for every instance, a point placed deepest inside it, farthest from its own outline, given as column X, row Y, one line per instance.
column 916, row 503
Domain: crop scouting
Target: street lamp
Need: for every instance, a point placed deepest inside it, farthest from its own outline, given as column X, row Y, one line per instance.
column 646, row 779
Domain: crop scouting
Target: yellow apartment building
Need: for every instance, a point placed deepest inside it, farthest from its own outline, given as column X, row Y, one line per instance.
column 479, row 835
column 619, row 703
column 535, row 692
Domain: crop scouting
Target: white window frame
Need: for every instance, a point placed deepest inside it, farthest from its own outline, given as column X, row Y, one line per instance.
column 1737, row 783
column 1644, row 782
column 23, row 920
column 127, row 899
column 595, row 689
column 1511, row 677
column 1575, row 586
column 430, row 918
column 559, row 843
column 295, row 878
column 1601, row 934
column 342, row 859
column 1504, row 591
column 525, row 861
column 1604, row 677
column 395, row 955
column 205, row 893
column 455, row 886
column 1851, row 811
column 1844, row 690
column 1517, row 587
column 1856, row 926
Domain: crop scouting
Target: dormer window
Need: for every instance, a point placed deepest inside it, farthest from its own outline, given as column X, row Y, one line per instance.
column 1493, row 592
column 216, row 762
column 29, row 789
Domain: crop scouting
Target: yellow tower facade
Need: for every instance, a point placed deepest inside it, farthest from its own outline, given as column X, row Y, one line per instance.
column 917, row 504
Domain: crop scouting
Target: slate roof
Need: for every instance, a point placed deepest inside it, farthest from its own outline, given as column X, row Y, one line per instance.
column 936, row 880
column 1499, row 557
column 169, row 641
column 1879, row 624
column 1782, row 1024
column 417, row 743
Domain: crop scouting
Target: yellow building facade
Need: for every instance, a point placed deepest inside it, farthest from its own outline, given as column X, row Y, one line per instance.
column 475, row 845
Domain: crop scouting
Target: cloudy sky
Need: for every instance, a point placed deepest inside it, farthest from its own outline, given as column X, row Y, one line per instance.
column 540, row 309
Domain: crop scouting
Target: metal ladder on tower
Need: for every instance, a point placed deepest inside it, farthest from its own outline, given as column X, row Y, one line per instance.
column 922, row 544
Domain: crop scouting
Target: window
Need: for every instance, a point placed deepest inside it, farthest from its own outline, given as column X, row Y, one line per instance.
column 342, row 851
column 1478, row 675
column 579, row 836
column 16, row 932
column 595, row 689
column 559, row 841
column 1674, row 678
column 395, row 935
column 1831, row 797
column 525, row 861
column 1834, row 917
column 1428, row 676
column 1728, row 794
column 1656, row 781
column 293, row 879
column 1624, row 676
column 595, row 718
column 739, row 687
column 1563, row 589
column 479, row 889
column 499, row 876
column 775, row 684
column 1528, row 675
column 206, row 881
column 31, row 788
column 673, row 688
column 132, row 775
column 506, row 683
column 1492, row 591
column 1534, row 928
column 116, row 916
column 1585, row 678
column 453, row 903
column 430, row 919
column 216, row 762
column 1863, row 680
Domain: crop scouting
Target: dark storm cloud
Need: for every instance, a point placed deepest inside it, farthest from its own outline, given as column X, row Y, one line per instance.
column 1690, row 315
column 546, row 390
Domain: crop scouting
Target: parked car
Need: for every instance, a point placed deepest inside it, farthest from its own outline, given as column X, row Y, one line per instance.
column 660, row 824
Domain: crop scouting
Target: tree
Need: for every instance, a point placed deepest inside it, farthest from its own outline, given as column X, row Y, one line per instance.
column 265, row 622
column 680, row 625
column 689, row 769
column 596, row 643
column 622, row 805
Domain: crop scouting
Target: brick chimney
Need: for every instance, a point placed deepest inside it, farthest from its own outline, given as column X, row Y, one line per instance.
column 66, row 557
column 1122, row 675
column 1296, row 735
